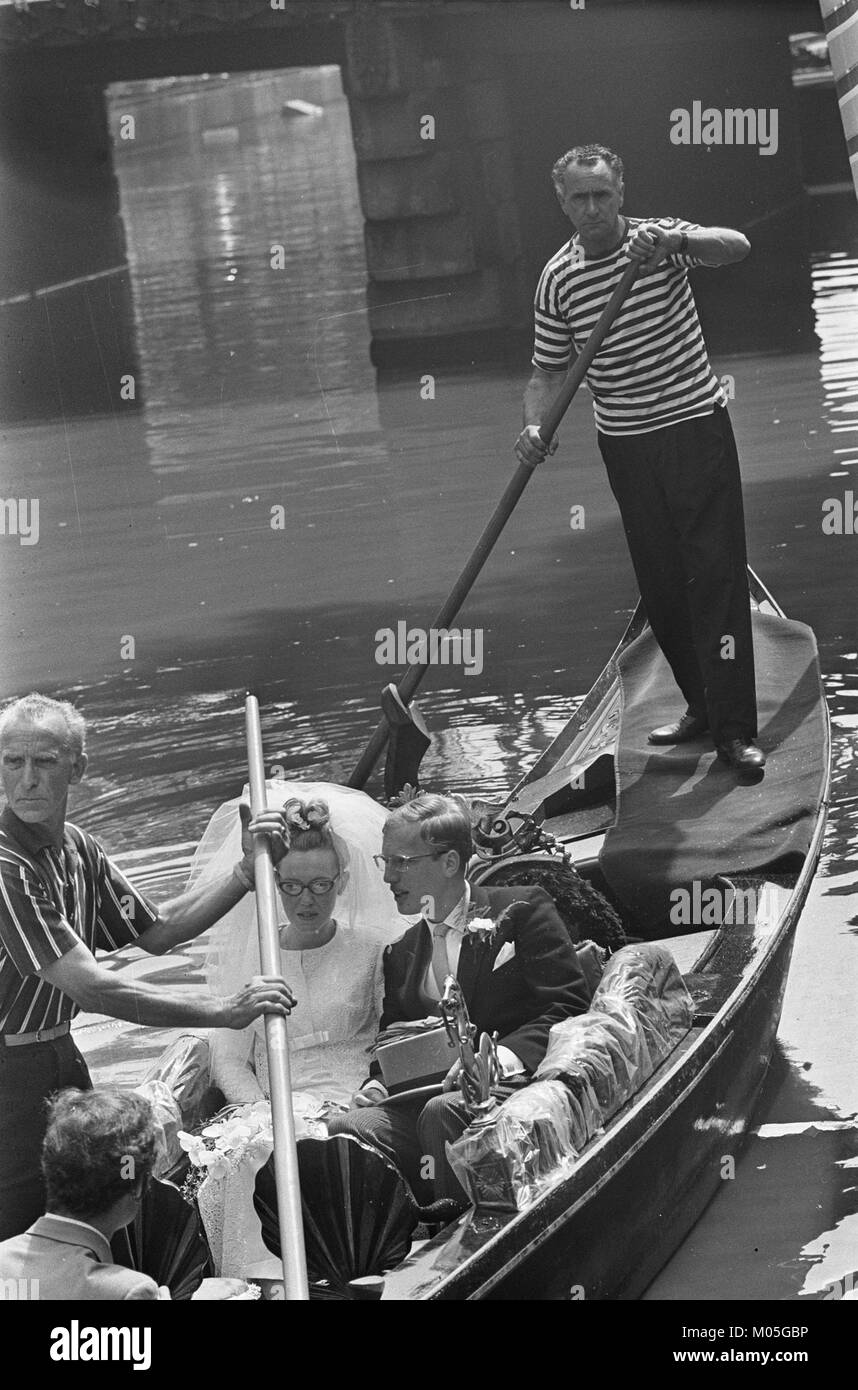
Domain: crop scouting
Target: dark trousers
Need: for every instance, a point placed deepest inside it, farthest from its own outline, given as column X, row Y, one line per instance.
column 412, row 1136
column 28, row 1075
column 680, row 498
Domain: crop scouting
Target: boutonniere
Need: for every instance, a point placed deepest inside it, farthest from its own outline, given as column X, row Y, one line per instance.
column 481, row 930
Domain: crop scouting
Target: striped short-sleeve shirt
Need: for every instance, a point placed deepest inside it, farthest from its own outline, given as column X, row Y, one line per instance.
column 52, row 897
column 652, row 369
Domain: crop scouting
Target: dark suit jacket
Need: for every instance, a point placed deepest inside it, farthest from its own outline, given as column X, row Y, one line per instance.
column 70, row 1262
column 538, row 984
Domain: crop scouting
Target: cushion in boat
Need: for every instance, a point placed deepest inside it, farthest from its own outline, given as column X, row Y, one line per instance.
column 587, row 913
column 185, row 1069
column 593, row 1065
column 638, row 1013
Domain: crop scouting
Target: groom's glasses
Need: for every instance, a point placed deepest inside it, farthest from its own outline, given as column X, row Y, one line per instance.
column 400, row 863
column 293, row 888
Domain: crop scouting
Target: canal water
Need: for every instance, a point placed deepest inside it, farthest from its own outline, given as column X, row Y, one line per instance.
column 267, row 507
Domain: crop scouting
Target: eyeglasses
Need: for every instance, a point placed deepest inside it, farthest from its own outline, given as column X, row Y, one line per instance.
column 293, row 888
column 401, row 863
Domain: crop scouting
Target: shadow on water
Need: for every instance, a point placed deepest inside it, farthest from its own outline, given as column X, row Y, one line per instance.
column 784, row 1225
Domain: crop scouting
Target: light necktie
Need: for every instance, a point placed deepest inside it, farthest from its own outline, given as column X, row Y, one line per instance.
column 440, row 965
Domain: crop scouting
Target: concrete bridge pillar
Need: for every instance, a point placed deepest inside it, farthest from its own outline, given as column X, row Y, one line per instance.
column 436, row 179
column 66, row 319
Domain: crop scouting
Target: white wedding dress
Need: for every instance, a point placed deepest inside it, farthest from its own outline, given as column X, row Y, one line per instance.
column 338, row 988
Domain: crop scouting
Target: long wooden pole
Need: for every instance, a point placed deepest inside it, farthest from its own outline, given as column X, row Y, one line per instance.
column 290, row 1218
column 501, row 514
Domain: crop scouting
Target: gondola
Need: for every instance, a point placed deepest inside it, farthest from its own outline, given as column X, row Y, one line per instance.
column 605, row 1229
column 604, row 1225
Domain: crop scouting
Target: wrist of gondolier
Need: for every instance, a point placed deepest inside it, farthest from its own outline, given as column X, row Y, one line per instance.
column 243, row 872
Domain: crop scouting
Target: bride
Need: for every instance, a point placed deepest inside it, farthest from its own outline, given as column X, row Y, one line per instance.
column 338, row 916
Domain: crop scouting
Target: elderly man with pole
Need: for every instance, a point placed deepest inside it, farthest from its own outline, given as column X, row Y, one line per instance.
column 61, row 898
column 664, row 434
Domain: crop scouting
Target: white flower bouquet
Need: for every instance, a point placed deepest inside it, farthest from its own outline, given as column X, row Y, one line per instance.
column 226, row 1142
column 245, row 1135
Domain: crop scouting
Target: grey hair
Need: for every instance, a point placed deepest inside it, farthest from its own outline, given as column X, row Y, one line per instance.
column 34, row 707
column 585, row 154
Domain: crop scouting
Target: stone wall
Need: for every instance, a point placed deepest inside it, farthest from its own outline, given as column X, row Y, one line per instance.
column 431, row 128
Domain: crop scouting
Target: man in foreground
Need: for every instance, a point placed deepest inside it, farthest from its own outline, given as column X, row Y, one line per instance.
column 61, row 898
column 97, row 1158
column 664, row 434
column 512, row 956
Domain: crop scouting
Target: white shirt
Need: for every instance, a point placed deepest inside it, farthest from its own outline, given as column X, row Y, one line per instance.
column 456, row 921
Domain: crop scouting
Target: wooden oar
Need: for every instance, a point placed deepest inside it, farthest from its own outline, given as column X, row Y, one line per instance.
column 515, row 487
column 289, row 1213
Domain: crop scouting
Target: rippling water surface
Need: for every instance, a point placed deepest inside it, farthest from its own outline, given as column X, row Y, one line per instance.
column 257, row 393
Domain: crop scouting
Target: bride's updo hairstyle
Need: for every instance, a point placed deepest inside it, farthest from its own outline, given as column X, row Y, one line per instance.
column 309, row 826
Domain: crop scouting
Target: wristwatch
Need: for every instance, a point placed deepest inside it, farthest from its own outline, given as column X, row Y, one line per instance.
column 683, row 244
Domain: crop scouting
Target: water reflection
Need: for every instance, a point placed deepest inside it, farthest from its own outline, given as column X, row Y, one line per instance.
column 835, row 284
column 246, row 254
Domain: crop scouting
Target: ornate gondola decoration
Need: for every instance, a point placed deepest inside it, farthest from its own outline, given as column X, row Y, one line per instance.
column 359, row 1216
column 166, row 1241
column 480, row 1069
column 498, row 834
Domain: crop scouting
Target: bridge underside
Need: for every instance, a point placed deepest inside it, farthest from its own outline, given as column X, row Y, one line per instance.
column 459, row 216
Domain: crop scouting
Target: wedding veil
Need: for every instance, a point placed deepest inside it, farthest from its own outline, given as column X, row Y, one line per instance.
column 365, row 905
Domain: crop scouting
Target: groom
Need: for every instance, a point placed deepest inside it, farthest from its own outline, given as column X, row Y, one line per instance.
column 518, row 983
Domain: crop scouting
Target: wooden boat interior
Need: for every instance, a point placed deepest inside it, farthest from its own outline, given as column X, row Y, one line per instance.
column 571, row 790
column 718, row 965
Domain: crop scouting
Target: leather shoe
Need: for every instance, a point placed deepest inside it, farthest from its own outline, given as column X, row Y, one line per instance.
column 690, row 726
column 744, row 756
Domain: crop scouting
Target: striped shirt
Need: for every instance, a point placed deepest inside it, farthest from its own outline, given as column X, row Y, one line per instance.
column 51, row 898
column 652, row 369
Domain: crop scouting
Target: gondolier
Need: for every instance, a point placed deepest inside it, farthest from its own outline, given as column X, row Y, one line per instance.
column 665, row 436
column 61, row 898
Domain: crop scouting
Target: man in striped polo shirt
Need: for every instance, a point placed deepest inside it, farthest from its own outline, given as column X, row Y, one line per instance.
column 664, row 434
column 61, row 898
